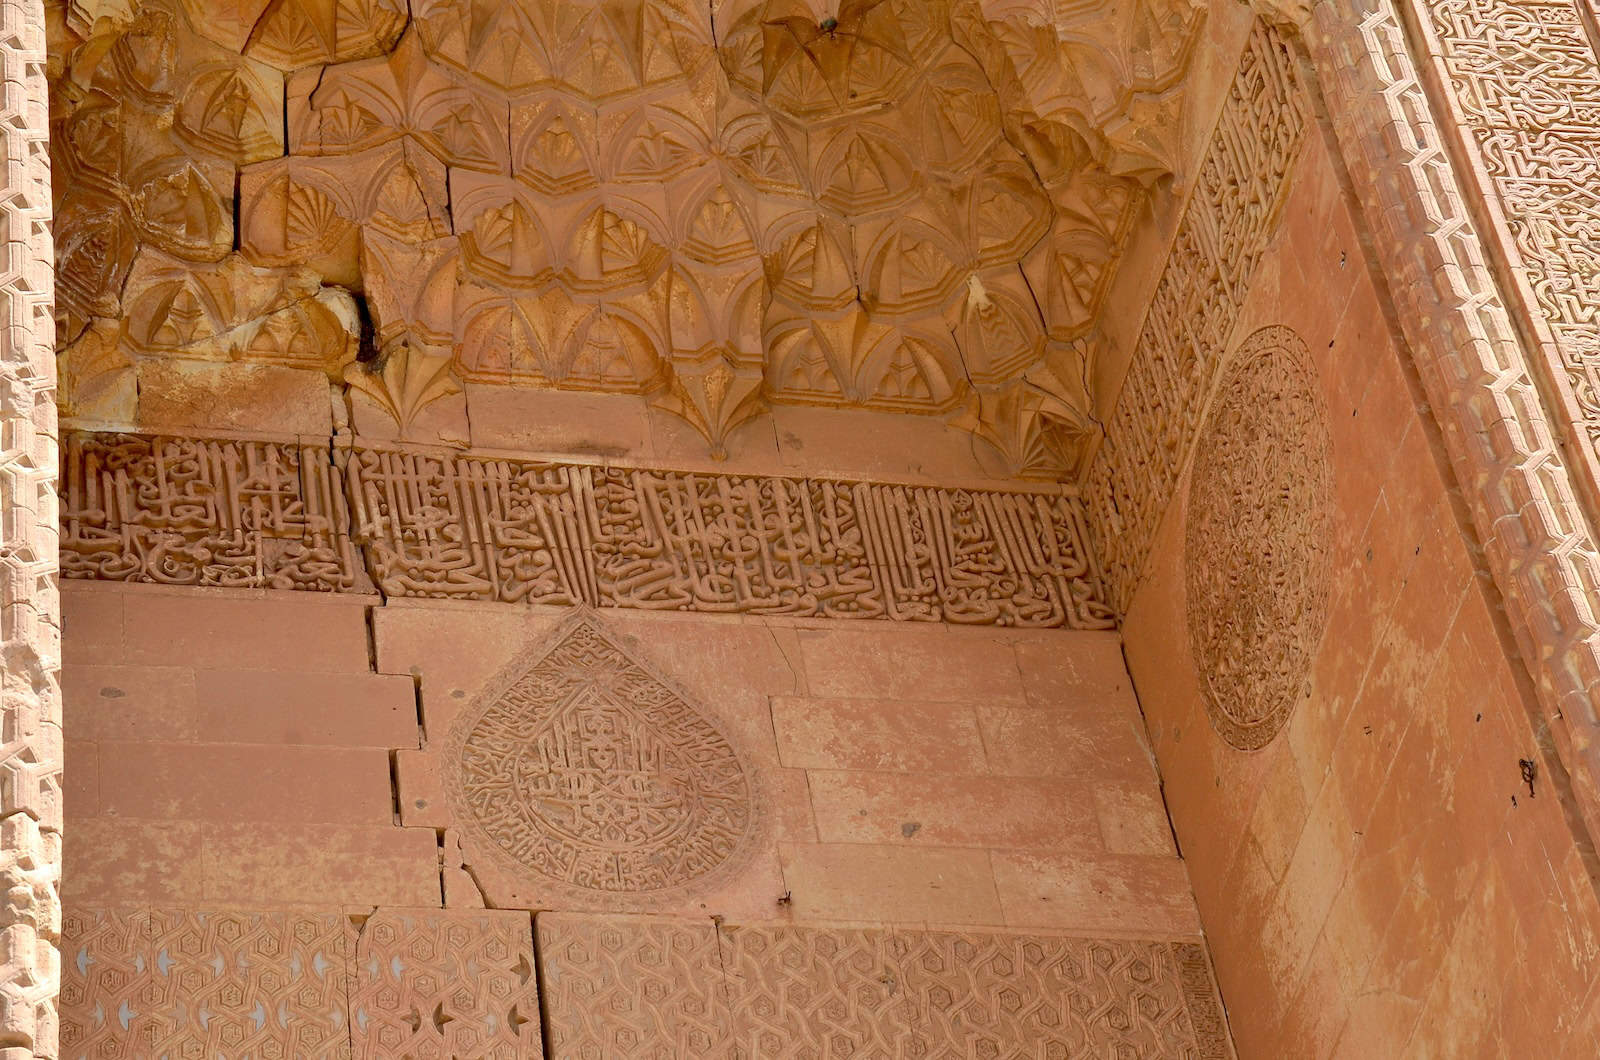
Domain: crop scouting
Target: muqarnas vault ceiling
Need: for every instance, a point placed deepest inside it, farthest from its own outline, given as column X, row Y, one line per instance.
column 720, row 206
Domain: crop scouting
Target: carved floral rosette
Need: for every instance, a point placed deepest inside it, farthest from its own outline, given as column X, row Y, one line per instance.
column 588, row 779
column 1258, row 537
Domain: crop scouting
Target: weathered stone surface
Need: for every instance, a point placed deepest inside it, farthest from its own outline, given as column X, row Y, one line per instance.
column 1259, row 537
column 143, row 982
column 430, row 983
column 582, row 774
column 1155, row 420
column 30, row 616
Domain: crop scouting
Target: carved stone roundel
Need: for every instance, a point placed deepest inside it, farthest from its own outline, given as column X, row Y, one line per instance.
column 584, row 768
column 1258, row 538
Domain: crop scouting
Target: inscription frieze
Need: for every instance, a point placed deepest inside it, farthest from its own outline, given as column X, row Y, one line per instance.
column 1224, row 231
column 299, row 514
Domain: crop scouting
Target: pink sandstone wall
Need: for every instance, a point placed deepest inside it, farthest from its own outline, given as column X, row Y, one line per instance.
column 256, row 769
column 1379, row 880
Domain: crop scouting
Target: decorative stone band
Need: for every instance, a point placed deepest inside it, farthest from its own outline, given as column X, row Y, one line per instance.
column 30, row 625
column 1224, row 230
column 298, row 514
column 653, row 987
column 1538, row 539
column 430, row 982
column 1522, row 82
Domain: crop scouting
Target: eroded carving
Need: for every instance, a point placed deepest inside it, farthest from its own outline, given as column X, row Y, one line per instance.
column 168, row 983
column 1258, row 540
column 632, row 986
column 185, row 511
column 581, row 767
column 431, row 983
column 163, row 982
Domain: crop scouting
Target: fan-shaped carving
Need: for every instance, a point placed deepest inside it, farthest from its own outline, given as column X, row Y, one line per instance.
column 889, row 204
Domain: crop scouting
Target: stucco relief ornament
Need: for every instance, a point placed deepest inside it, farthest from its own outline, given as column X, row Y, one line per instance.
column 583, row 772
column 1258, row 538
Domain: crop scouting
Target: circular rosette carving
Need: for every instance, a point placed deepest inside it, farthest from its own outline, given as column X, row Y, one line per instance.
column 1258, row 538
column 582, row 768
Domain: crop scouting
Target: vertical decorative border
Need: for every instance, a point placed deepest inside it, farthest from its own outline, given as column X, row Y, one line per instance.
column 1224, row 231
column 1522, row 84
column 1520, row 486
column 30, row 623
column 1200, row 997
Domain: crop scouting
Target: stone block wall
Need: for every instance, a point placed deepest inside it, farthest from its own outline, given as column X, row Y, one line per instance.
column 271, row 826
column 232, row 750
column 1394, row 872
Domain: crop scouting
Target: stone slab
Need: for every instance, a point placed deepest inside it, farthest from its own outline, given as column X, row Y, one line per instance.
column 658, row 988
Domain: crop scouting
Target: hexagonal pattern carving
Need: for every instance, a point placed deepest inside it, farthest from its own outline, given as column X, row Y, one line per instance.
column 319, row 986
column 436, row 984
column 658, row 988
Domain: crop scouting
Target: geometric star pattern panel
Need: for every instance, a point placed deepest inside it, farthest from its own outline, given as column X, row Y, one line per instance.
column 429, row 984
column 908, row 206
column 420, row 983
column 645, row 987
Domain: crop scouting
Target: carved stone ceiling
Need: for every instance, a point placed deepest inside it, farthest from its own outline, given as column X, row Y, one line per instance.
column 719, row 205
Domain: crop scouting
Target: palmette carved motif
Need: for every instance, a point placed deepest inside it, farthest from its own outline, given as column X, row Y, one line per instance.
column 450, row 525
column 915, row 207
column 583, row 768
column 658, row 988
column 1258, row 540
column 1223, row 233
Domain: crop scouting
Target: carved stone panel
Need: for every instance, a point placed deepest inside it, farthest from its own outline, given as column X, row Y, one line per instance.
column 436, row 984
column 420, row 983
column 142, row 983
column 912, row 206
column 580, row 773
column 643, row 988
column 639, row 987
column 1258, row 539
